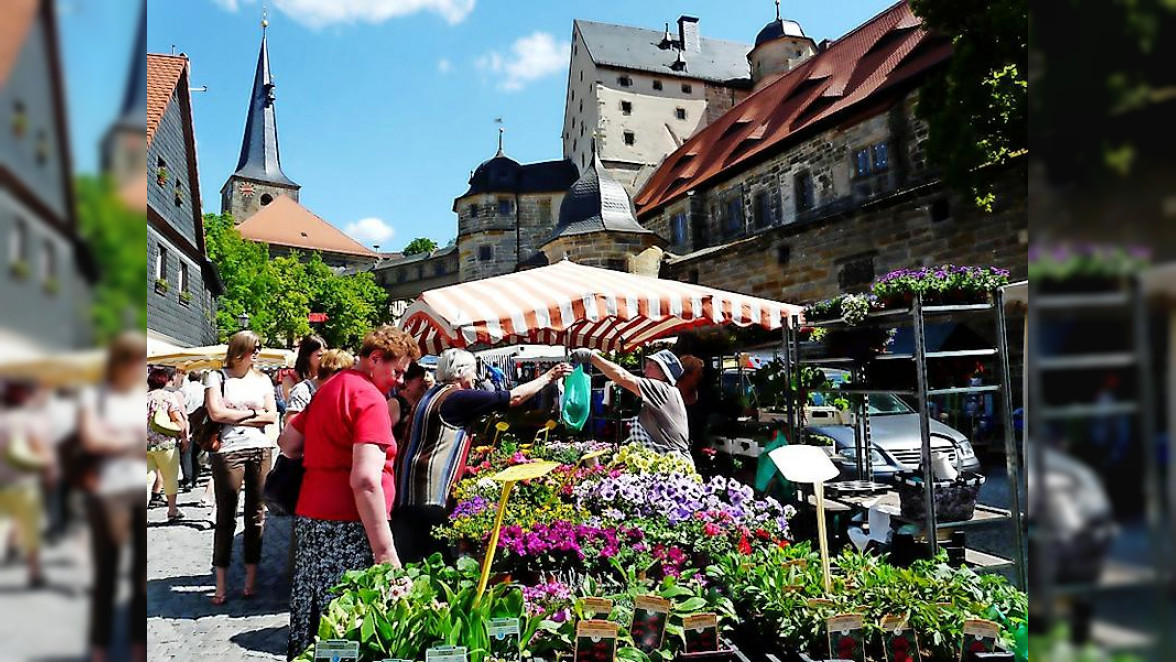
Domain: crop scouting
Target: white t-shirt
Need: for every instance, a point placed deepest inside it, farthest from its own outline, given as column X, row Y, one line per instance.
column 248, row 392
column 123, row 412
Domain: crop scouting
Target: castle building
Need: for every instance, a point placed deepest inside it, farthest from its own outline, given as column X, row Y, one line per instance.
column 46, row 276
column 263, row 201
column 642, row 93
column 818, row 181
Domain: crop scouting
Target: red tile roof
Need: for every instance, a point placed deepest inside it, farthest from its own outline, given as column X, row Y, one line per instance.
column 14, row 29
column 856, row 75
column 284, row 222
column 163, row 73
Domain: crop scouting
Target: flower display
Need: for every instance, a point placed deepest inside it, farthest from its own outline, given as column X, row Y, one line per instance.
column 942, row 284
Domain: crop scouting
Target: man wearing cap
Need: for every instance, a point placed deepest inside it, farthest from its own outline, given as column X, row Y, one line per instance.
column 663, row 412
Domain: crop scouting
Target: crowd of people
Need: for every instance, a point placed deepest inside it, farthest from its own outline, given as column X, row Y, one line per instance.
column 379, row 440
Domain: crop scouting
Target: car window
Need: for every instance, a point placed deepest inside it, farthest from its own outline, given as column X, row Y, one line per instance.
column 888, row 403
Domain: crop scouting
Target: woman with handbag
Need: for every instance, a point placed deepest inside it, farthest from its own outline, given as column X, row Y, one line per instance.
column 113, row 434
column 25, row 457
column 167, row 436
column 240, row 400
column 344, row 438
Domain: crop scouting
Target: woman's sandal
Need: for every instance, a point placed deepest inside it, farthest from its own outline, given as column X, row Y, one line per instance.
column 219, row 600
column 248, row 594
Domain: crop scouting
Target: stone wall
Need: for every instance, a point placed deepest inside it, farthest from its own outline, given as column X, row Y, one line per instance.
column 237, row 198
column 512, row 226
column 408, row 278
column 608, row 250
column 720, row 99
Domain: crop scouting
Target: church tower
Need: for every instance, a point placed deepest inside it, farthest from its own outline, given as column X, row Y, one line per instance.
column 258, row 179
column 779, row 47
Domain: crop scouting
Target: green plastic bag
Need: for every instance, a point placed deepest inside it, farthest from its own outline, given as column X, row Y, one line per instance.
column 577, row 399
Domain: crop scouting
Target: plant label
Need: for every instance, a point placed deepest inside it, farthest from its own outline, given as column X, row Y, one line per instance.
column 596, row 606
column 794, row 588
column 847, row 637
column 336, row 650
column 504, row 638
column 798, row 563
column 447, row 654
column 900, row 641
column 596, row 641
column 979, row 637
column 820, row 603
column 528, row 471
column 650, row 614
column 702, row 633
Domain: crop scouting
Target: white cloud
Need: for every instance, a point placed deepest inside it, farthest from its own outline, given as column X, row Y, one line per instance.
column 444, row 65
column 370, row 231
column 530, row 58
column 321, row 13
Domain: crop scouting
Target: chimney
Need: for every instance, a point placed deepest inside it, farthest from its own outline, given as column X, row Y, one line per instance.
column 688, row 34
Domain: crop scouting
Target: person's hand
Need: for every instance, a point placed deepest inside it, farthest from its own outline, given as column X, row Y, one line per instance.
column 390, row 557
column 582, row 356
column 559, row 370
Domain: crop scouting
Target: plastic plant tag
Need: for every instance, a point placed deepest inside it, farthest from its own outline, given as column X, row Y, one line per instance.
column 596, row 641
column 588, row 457
column 979, row 637
column 336, row 650
column 527, row 471
column 899, row 640
column 702, row 633
column 847, row 637
column 820, row 603
column 447, row 654
column 799, row 563
column 650, row 614
column 596, row 606
column 504, row 638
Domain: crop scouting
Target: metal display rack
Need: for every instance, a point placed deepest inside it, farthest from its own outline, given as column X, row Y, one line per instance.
column 1128, row 305
column 916, row 317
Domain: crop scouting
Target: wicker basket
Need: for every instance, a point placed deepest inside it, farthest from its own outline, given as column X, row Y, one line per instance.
column 955, row 500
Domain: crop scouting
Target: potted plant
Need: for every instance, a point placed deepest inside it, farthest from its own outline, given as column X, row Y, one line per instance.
column 1066, row 268
column 944, row 284
column 161, row 175
column 185, row 298
column 20, row 269
column 162, row 286
column 52, row 286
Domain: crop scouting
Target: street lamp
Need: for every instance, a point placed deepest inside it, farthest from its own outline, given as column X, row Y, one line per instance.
column 243, row 320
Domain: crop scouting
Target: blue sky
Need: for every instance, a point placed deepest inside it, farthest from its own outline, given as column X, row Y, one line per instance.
column 384, row 106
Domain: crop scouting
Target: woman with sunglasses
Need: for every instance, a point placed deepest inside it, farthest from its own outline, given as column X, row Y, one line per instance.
column 241, row 399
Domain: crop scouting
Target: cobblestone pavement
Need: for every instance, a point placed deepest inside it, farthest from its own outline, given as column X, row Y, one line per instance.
column 181, row 622
column 50, row 623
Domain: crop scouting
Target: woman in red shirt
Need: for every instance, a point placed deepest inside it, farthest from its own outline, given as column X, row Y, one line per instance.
column 344, row 437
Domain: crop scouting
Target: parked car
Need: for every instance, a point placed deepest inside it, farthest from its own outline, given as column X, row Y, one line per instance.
column 897, row 443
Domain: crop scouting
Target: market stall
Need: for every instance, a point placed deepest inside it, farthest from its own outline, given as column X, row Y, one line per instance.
column 578, row 306
column 213, row 356
column 58, row 369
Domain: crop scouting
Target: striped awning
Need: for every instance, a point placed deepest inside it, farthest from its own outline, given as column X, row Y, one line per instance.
column 578, row 306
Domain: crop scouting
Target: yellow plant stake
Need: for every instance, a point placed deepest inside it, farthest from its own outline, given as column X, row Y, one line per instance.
column 545, row 431
column 500, row 426
column 508, row 477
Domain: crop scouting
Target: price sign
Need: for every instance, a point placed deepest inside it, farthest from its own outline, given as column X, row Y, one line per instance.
column 336, row 650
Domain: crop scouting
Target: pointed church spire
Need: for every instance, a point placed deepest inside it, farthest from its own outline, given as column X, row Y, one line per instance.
column 500, row 132
column 260, row 159
column 133, row 113
column 777, row 10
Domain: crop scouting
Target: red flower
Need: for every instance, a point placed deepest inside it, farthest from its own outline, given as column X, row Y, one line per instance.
column 744, row 545
column 763, row 534
column 783, row 544
column 711, row 530
column 709, row 452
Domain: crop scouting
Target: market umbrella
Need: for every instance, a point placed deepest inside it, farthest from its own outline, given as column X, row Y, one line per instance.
column 57, row 369
column 213, row 356
column 578, row 306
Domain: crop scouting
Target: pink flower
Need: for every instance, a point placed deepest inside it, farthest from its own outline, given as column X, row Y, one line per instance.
column 711, row 529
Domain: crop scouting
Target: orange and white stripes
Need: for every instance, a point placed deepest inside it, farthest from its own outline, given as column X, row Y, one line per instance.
column 578, row 306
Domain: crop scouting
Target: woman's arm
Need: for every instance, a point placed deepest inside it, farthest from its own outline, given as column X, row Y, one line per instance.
column 101, row 439
column 367, row 470
column 266, row 416
column 524, row 392
column 290, row 442
column 219, row 410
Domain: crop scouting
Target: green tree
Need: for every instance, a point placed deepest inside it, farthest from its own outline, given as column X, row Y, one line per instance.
column 420, row 245
column 115, row 236
column 244, row 268
column 289, row 301
column 353, row 304
column 977, row 108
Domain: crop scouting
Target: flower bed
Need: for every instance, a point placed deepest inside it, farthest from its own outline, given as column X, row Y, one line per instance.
column 639, row 524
